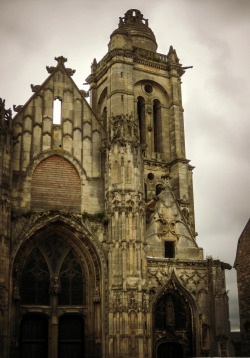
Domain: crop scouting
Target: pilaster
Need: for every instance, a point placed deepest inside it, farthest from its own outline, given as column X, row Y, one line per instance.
column 127, row 261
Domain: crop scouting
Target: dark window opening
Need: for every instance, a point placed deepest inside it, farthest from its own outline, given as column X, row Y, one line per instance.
column 72, row 282
column 169, row 249
column 157, row 126
column 151, row 176
column 158, row 189
column 34, row 336
column 145, row 192
column 148, row 88
column 141, row 118
column 104, row 117
column 35, row 280
column 71, row 337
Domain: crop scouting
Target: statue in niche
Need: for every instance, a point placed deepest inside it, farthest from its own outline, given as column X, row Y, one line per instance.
column 170, row 316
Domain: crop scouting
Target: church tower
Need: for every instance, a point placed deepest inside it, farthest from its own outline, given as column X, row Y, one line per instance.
column 99, row 258
column 155, row 264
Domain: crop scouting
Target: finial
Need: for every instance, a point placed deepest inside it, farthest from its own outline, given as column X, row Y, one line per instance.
column 94, row 66
column 61, row 59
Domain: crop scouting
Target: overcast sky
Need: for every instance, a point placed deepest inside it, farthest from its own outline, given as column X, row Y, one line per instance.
column 210, row 35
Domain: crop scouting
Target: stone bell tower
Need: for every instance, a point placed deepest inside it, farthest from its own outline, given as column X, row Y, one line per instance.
column 137, row 94
column 157, row 273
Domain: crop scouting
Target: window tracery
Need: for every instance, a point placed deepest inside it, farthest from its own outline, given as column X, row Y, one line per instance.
column 72, row 283
column 35, row 280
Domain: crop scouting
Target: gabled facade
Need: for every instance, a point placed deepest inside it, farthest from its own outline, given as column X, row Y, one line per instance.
column 98, row 245
column 242, row 266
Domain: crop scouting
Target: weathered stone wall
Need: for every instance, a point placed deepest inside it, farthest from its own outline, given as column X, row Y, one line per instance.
column 5, row 221
column 242, row 265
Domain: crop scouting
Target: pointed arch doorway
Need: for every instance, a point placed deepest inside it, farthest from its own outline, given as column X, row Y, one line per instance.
column 172, row 326
column 58, row 306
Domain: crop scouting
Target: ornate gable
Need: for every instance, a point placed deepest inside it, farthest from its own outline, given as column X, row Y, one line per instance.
column 168, row 223
column 77, row 136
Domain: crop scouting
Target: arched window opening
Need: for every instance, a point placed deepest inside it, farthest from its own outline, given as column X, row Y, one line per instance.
column 141, row 118
column 157, row 126
column 71, row 336
column 34, row 336
column 35, row 280
column 57, row 111
column 158, row 189
column 104, row 117
column 72, row 282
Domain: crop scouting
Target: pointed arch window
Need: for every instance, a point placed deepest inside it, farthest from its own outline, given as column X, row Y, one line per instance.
column 141, row 118
column 157, row 126
column 57, row 111
column 72, row 282
column 35, row 280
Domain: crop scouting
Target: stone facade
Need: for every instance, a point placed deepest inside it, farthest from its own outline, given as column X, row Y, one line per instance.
column 242, row 266
column 98, row 245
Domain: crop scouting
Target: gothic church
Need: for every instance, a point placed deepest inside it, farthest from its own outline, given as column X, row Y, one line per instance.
column 98, row 251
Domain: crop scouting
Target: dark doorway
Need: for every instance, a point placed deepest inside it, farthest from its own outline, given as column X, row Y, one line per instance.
column 170, row 350
column 34, row 336
column 71, row 337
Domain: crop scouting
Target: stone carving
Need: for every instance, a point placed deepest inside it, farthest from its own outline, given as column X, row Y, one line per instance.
column 35, row 88
column 17, row 108
column 161, row 275
column 70, row 71
column 50, row 69
column 194, row 281
column 124, row 129
column 85, row 93
column 55, row 285
column 116, row 303
column 97, row 294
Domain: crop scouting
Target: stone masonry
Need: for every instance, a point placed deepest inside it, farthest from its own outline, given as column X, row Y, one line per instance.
column 99, row 256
